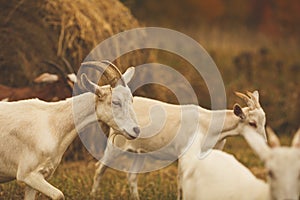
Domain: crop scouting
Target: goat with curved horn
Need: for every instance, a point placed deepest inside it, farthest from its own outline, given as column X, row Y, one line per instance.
column 109, row 70
column 62, row 74
column 58, row 86
column 254, row 97
column 157, row 135
column 68, row 66
column 247, row 99
column 32, row 149
column 119, row 88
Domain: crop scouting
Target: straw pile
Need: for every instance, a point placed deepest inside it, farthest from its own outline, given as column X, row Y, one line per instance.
column 62, row 31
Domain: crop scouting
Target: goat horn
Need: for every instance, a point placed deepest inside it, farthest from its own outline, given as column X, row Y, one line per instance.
column 111, row 73
column 68, row 65
column 116, row 69
column 296, row 139
column 254, row 100
column 272, row 138
column 248, row 100
column 60, row 72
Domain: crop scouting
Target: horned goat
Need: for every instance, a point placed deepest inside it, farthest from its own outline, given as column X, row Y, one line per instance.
column 47, row 87
column 157, row 130
column 221, row 176
column 35, row 134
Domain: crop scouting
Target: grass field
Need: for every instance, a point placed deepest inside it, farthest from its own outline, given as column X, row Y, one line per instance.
column 75, row 178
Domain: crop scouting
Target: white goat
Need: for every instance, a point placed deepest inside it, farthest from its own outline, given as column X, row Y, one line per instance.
column 221, row 176
column 35, row 134
column 158, row 130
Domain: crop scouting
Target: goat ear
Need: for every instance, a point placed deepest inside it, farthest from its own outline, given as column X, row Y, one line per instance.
column 128, row 74
column 72, row 77
column 296, row 139
column 46, row 78
column 90, row 86
column 238, row 111
column 257, row 143
column 272, row 138
column 256, row 95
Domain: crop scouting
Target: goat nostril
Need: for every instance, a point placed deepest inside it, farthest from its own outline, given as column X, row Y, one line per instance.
column 136, row 130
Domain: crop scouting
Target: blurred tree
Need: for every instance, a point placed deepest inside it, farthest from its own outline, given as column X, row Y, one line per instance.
column 273, row 17
column 209, row 10
column 236, row 12
column 288, row 15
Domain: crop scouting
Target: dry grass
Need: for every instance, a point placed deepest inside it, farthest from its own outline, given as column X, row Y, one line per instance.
column 251, row 61
column 75, row 178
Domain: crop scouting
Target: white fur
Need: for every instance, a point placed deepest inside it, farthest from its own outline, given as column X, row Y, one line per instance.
column 51, row 78
column 46, row 78
column 35, row 134
column 221, row 176
column 72, row 77
column 164, row 125
column 281, row 163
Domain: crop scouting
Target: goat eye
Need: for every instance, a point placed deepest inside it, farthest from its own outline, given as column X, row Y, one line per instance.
column 117, row 103
column 253, row 124
column 271, row 174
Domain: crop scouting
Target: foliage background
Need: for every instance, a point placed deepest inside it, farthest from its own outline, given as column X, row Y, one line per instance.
column 255, row 44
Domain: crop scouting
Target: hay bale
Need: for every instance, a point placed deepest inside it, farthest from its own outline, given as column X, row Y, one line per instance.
column 61, row 31
column 36, row 31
